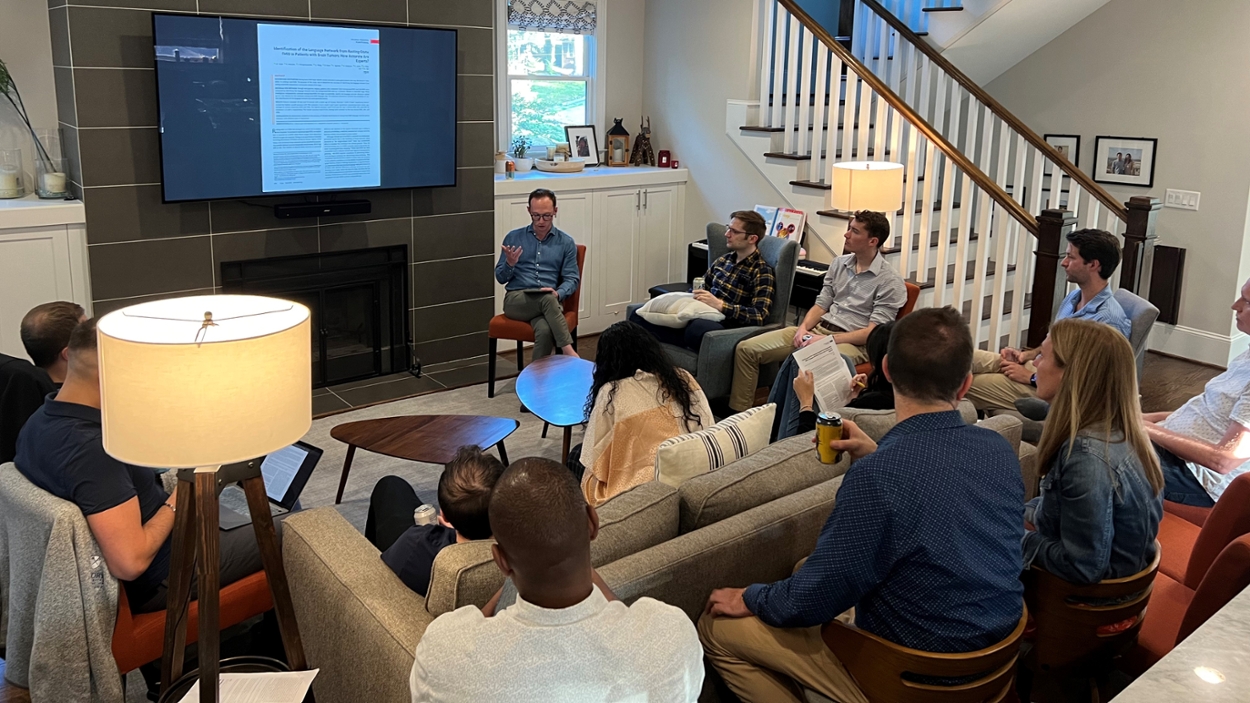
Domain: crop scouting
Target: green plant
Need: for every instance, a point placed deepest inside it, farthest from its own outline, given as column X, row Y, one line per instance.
column 520, row 145
column 8, row 88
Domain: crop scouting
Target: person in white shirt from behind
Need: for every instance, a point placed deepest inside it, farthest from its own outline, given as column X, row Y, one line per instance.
column 568, row 637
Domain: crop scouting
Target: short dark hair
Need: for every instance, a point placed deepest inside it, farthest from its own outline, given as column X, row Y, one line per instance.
column 930, row 355
column 46, row 330
column 464, row 491
column 539, row 514
column 83, row 337
column 752, row 222
column 1097, row 245
column 877, row 223
column 539, row 194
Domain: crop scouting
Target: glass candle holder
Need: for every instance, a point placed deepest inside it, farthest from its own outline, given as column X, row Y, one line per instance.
column 53, row 184
column 11, row 185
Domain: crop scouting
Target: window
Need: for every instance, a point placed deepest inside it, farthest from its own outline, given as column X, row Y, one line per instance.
column 549, row 83
column 549, row 56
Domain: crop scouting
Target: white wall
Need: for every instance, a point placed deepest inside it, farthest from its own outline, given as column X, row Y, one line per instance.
column 697, row 56
column 623, row 73
column 1140, row 68
column 26, row 47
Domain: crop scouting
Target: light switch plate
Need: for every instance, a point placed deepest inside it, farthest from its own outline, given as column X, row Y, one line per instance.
column 1182, row 199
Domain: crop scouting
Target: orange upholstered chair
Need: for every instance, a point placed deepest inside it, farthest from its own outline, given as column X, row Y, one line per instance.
column 140, row 638
column 1177, row 610
column 1188, row 548
column 503, row 327
column 913, row 294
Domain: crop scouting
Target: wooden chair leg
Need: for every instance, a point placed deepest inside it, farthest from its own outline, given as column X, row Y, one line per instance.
column 490, row 368
column 573, row 332
column 520, row 355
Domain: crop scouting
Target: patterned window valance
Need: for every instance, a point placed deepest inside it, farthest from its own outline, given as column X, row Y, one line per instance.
column 565, row 16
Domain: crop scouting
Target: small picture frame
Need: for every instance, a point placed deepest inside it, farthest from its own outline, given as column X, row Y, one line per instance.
column 1126, row 161
column 1067, row 144
column 583, row 143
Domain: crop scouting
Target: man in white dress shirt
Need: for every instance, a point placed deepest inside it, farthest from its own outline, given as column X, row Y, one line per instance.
column 567, row 638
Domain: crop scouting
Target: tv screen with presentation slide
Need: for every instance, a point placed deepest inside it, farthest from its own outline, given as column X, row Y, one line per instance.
column 252, row 107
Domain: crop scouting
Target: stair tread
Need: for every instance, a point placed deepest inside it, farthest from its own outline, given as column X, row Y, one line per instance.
column 842, row 214
column 987, row 302
column 942, row 9
column 990, row 268
column 896, row 244
column 808, row 156
column 775, row 130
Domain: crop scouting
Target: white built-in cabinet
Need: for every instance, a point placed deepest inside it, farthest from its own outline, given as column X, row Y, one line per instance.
column 43, row 257
column 630, row 220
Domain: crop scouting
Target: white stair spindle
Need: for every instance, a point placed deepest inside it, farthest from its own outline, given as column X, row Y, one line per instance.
column 792, row 84
column 926, row 211
column 778, row 88
column 820, row 115
column 807, row 96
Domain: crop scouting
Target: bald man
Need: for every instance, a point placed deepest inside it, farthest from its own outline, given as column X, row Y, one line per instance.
column 568, row 637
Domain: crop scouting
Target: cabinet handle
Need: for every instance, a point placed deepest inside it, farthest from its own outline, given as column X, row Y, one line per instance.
column 646, row 198
column 638, row 200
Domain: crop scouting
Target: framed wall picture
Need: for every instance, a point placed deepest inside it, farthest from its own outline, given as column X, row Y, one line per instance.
column 1126, row 161
column 583, row 144
column 1069, row 145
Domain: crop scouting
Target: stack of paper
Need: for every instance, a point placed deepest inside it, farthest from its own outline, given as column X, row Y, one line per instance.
column 283, row 687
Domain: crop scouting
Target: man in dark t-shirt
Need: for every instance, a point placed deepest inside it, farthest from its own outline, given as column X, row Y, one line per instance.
column 61, row 450
column 463, row 499
column 45, row 332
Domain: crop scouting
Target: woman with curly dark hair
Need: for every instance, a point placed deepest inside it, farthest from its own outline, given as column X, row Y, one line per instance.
column 637, row 400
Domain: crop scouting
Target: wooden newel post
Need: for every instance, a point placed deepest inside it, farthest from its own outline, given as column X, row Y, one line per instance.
column 1139, row 244
column 1049, row 285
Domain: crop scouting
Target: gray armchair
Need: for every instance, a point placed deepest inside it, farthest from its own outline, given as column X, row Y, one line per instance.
column 1142, row 314
column 713, row 366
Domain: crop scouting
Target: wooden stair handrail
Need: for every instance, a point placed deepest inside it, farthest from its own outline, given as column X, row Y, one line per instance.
column 970, row 169
column 1080, row 177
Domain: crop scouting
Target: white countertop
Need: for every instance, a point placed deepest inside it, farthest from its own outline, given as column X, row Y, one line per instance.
column 589, row 179
column 30, row 211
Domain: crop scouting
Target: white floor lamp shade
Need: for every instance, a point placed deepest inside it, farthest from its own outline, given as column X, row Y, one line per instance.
column 867, row 185
column 178, row 393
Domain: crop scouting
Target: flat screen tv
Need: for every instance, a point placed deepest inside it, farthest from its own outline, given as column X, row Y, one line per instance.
column 252, row 107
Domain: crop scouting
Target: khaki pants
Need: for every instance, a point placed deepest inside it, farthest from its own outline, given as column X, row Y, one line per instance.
column 990, row 388
column 768, row 348
column 545, row 315
column 764, row 664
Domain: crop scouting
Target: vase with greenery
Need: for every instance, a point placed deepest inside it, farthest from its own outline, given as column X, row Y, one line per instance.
column 520, row 146
column 51, row 178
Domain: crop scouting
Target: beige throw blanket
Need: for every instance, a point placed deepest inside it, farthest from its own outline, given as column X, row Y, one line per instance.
column 620, row 444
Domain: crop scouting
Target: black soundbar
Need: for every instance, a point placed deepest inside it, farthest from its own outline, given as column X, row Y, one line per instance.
column 338, row 207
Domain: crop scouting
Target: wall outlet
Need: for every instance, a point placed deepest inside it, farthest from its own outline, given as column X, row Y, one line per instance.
column 1182, row 199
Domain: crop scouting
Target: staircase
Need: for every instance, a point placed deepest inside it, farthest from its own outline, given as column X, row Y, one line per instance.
column 978, row 182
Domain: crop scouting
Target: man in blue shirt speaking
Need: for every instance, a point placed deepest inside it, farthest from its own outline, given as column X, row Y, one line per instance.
column 538, row 267
column 1092, row 256
column 923, row 542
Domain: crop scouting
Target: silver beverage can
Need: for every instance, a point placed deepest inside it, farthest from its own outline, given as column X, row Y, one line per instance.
column 425, row 515
column 698, row 284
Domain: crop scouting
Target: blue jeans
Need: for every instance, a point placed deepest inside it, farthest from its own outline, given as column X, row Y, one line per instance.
column 786, row 419
column 1179, row 483
column 689, row 337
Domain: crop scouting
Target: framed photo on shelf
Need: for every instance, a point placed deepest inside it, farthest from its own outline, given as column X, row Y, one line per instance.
column 1068, row 144
column 1126, row 161
column 583, row 143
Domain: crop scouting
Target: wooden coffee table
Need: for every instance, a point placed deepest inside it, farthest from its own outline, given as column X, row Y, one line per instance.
column 433, row 439
column 554, row 388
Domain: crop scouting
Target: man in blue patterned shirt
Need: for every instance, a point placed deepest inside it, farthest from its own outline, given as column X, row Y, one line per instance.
column 739, row 285
column 1092, row 256
column 924, row 541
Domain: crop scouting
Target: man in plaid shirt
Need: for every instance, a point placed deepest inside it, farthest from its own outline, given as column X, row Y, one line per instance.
column 739, row 284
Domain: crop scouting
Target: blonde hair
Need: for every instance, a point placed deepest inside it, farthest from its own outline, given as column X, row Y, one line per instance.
column 1098, row 394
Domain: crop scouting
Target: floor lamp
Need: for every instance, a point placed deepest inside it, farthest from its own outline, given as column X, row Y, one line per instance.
column 206, row 385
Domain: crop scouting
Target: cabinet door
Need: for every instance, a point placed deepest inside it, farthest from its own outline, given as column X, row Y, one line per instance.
column 616, row 244
column 574, row 217
column 660, row 238
column 35, row 268
column 510, row 213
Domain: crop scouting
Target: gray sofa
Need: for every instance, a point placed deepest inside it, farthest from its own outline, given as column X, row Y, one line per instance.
column 748, row 522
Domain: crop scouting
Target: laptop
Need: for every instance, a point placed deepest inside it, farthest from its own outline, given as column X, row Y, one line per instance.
column 286, row 472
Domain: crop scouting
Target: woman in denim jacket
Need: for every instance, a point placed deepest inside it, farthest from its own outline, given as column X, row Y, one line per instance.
column 1101, row 490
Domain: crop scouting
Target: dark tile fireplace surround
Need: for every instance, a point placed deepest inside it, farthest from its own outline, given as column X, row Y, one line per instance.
column 141, row 248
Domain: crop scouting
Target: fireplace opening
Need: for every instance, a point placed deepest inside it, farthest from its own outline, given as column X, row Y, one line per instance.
column 359, row 305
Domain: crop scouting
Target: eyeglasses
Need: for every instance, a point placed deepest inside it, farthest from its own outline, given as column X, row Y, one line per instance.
column 547, row 217
column 736, row 231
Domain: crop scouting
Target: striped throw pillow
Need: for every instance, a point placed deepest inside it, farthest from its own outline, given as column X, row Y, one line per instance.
column 684, row 457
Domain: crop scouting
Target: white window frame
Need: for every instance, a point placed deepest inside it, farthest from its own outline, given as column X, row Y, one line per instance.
column 596, row 90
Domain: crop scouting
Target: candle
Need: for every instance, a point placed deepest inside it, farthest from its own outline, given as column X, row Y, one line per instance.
column 52, row 183
column 10, row 185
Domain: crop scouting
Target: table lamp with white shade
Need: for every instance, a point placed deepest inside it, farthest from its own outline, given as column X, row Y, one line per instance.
column 867, row 185
column 203, row 383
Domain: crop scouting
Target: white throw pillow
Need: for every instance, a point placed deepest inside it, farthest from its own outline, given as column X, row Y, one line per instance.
column 677, row 310
column 682, row 458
